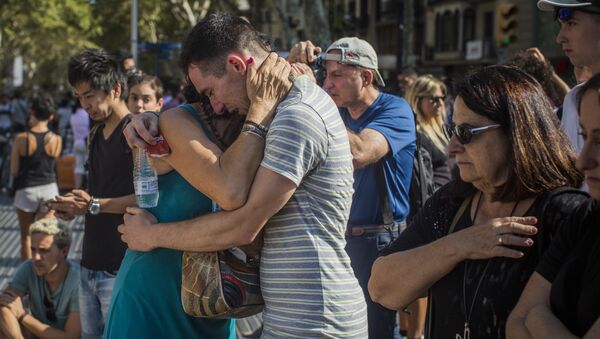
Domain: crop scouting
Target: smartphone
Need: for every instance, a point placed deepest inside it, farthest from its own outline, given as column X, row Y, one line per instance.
column 160, row 148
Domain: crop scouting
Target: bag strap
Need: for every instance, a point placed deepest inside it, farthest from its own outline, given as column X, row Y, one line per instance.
column 386, row 208
column 459, row 214
column 92, row 135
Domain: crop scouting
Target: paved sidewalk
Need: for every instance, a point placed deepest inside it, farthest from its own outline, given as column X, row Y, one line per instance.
column 10, row 249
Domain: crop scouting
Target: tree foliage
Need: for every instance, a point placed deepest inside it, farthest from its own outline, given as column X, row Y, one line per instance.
column 47, row 32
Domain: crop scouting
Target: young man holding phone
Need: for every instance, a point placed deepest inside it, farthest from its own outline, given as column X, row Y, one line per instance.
column 101, row 88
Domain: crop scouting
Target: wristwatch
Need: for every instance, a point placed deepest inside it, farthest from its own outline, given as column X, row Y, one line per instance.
column 94, row 206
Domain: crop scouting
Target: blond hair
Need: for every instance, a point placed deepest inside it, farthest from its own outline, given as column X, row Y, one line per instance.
column 426, row 85
column 51, row 226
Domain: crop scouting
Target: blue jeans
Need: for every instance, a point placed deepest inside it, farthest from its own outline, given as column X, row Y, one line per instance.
column 95, row 291
column 363, row 250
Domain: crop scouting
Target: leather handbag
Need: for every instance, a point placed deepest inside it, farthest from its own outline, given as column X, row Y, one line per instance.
column 219, row 285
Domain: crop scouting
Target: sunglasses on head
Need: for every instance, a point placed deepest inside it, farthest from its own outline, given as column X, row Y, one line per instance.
column 50, row 314
column 465, row 133
column 566, row 13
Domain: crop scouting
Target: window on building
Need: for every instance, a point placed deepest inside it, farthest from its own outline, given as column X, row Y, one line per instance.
column 468, row 26
column 449, row 33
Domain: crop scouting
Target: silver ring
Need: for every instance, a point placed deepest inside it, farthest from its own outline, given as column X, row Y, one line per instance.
column 500, row 240
column 291, row 78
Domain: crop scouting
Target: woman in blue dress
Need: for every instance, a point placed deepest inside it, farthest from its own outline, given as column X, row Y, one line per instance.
column 146, row 301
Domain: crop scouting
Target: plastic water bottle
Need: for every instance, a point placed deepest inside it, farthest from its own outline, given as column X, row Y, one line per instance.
column 145, row 181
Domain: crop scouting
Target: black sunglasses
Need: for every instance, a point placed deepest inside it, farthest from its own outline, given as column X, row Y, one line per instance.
column 566, row 13
column 50, row 314
column 464, row 133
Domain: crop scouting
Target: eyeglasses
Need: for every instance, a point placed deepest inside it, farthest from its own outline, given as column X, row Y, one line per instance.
column 566, row 13
column 433, row 99
column 50, row 314
column 464, row 133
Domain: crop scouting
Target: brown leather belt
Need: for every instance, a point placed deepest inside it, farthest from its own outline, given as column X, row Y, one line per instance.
column 357, row 231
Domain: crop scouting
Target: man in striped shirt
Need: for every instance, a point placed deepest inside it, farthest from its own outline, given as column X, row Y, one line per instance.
column 301, row 195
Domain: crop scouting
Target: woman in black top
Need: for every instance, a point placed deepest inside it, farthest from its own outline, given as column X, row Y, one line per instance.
column 32, row 166
column 512, row 159
column 562, row 298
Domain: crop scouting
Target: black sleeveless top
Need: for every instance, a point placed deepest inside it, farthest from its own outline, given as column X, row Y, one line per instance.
column 38, row 168
column 110, row 166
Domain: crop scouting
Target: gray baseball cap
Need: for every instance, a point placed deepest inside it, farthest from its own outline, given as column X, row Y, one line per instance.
column 550, row 5
column 355, row 52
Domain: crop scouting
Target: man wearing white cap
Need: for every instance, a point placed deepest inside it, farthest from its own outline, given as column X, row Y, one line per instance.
column 580, row 40
column 381, row 130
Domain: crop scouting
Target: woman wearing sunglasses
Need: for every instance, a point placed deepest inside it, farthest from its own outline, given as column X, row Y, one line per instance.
column 562, row 298
column 427, row 98
column 477, row 240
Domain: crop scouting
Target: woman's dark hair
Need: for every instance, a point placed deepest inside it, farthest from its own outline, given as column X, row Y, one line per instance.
column 42, row 107
column 539, row 70
column 592, row 84
column 541, row 157
column 138, row 78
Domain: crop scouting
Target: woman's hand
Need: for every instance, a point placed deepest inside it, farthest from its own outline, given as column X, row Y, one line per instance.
column 141, row 130
column 493, row 238
column 266, row 86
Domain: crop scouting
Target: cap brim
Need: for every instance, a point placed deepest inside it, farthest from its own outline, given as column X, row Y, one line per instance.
column 550, row 5
column 378, row 78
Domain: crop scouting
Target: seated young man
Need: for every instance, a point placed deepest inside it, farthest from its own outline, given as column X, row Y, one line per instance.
column 50, row 282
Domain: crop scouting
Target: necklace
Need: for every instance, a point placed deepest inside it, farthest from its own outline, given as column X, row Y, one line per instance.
column 468, row 312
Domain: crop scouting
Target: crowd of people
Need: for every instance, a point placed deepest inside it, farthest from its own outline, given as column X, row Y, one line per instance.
column 463, row 210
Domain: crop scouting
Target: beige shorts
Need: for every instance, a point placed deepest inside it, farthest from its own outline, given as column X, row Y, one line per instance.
column 31, row 199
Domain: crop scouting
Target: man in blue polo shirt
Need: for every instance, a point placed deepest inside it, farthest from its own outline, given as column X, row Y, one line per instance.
column 381, row 130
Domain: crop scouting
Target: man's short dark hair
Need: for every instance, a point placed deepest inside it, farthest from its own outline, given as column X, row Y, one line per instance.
column 214, row 37
column 43, row 107
column 99, row 68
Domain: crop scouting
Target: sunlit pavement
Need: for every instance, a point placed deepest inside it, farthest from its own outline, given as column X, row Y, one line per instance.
column 10, row 249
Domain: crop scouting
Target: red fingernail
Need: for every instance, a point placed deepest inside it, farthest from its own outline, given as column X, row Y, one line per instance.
column 249, row 60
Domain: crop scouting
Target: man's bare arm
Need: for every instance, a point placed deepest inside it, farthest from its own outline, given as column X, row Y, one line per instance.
column 225, row 177
column 367, row 147
column 213, row 231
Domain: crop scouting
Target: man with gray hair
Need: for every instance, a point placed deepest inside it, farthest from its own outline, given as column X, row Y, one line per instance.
column 51, row 284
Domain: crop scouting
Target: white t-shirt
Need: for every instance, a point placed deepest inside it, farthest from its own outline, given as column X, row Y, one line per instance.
column 570, row 119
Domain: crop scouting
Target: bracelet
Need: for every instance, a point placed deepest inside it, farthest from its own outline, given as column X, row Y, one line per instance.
column 22, row 316
column 261, row 127
column 254, row 131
